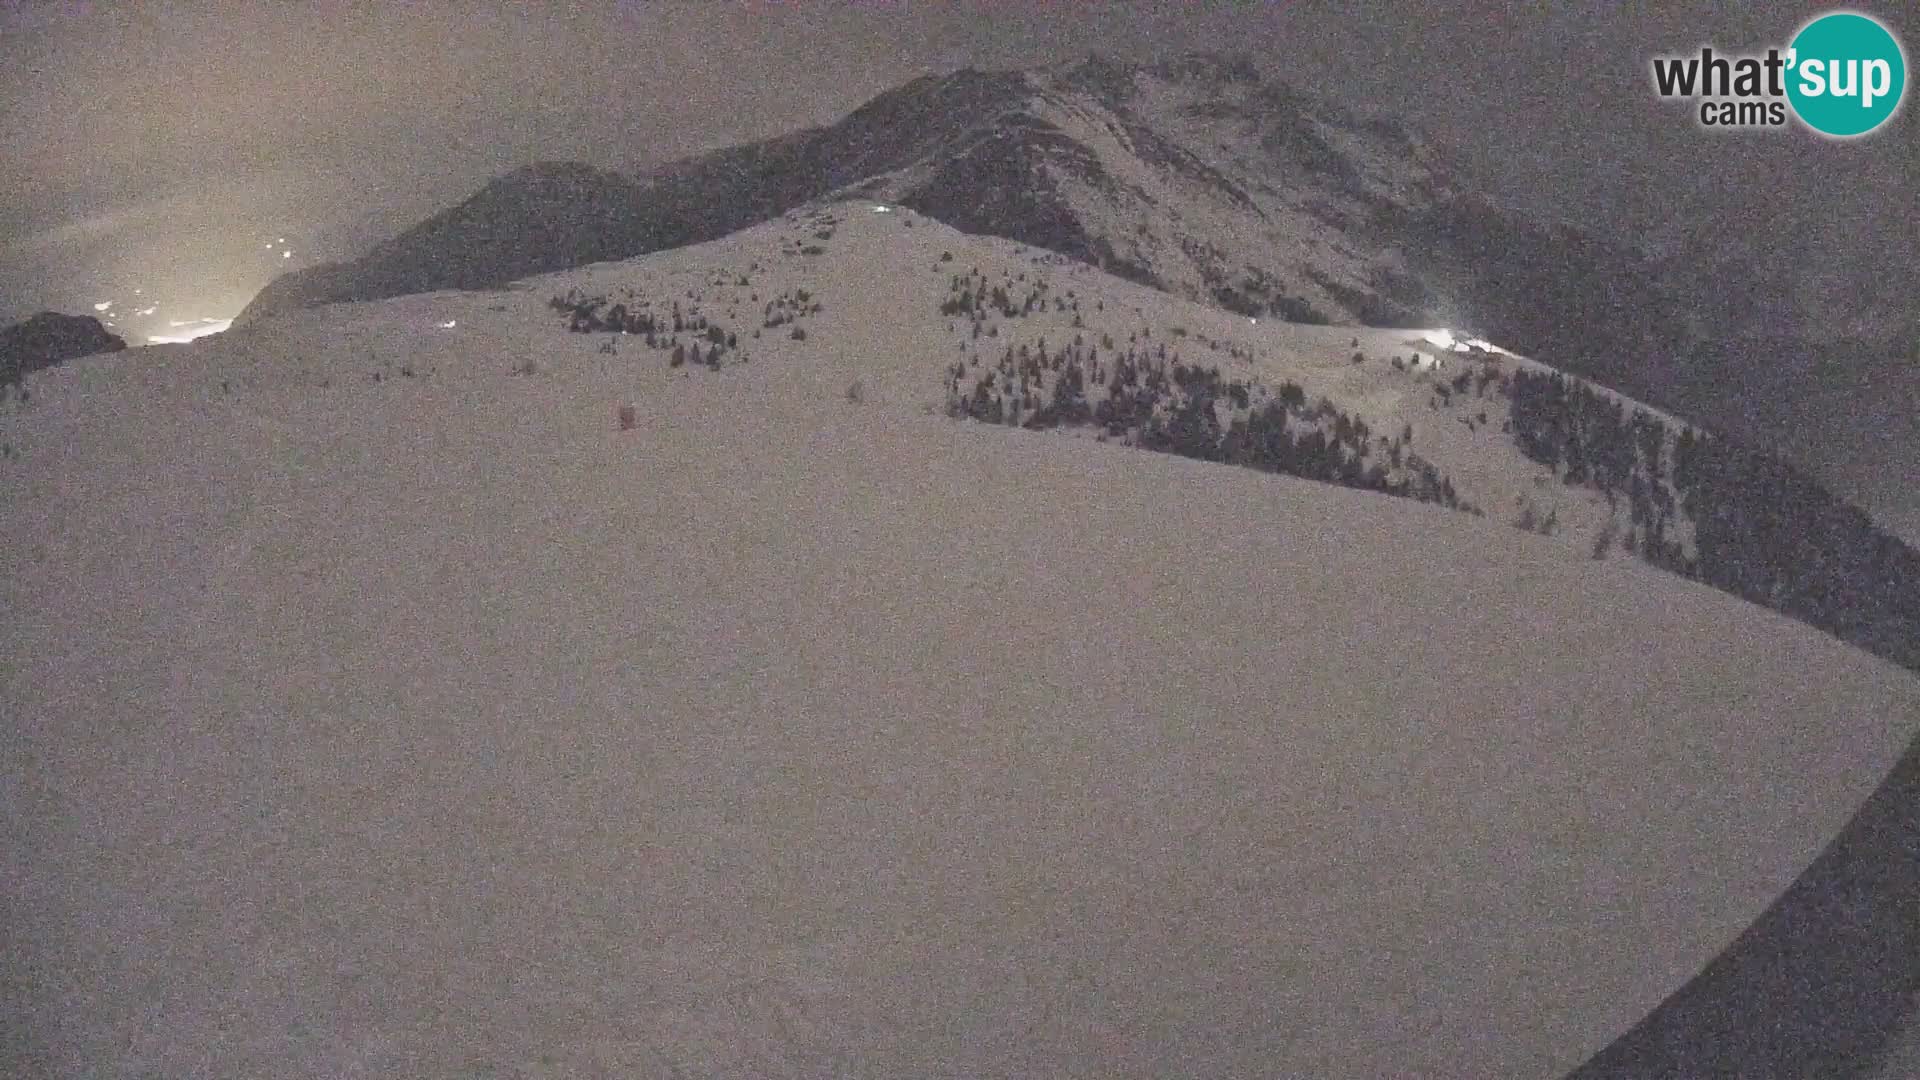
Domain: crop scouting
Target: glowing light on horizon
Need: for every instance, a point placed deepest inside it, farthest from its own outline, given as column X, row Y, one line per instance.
column 103, row 305
column 199, row 328
column 448, row 325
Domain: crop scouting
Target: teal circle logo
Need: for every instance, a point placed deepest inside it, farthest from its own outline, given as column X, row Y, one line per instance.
column 1846, row 74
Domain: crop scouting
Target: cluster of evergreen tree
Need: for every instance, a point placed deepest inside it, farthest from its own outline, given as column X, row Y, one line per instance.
column 593, row 315
column 971, row 295
column 687, row 338
column 1590, row 440
column 790, row 306
column 822, row 226
column 1762, row 530
column 1257, row 292
column 1149, row 399
column 1771, row 534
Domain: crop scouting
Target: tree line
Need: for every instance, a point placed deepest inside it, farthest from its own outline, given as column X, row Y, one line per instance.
column 1762, row 529
column 1154, row 400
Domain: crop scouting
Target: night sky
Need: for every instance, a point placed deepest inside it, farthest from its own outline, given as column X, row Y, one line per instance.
column 193, row 150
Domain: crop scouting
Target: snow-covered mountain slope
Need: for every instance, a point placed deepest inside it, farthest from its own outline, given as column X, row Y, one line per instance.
column 1207, row 179
column 1198, row 176
column 1195, row 176
column 1028, row 338
column 898, row 308
column 377, row 705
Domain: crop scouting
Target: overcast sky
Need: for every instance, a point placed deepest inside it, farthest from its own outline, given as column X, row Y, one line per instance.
column 164, row 145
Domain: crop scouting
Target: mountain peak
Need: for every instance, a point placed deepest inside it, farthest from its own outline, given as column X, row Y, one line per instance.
column 1197, row 175
column 1193, row 174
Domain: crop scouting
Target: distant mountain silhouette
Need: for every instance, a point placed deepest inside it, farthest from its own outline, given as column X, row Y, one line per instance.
column 51, row 338
column 1195, row 176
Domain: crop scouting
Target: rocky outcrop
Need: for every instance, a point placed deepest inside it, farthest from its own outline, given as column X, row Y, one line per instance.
column 51, row 338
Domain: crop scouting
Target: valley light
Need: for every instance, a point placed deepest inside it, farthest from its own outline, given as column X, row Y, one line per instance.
column 448, row 325
column 286, row 254
column 1441, row 337
column 104, row 305
column 198, row 328
column 883, row 209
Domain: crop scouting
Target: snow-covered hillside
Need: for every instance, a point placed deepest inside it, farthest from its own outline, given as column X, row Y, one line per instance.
column 1567, row 458
column 1204, row 176
column 923, row 316
column 378, row 706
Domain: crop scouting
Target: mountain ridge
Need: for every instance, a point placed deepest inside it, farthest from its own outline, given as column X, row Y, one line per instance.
column 921, row 126
column 1196, row 175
